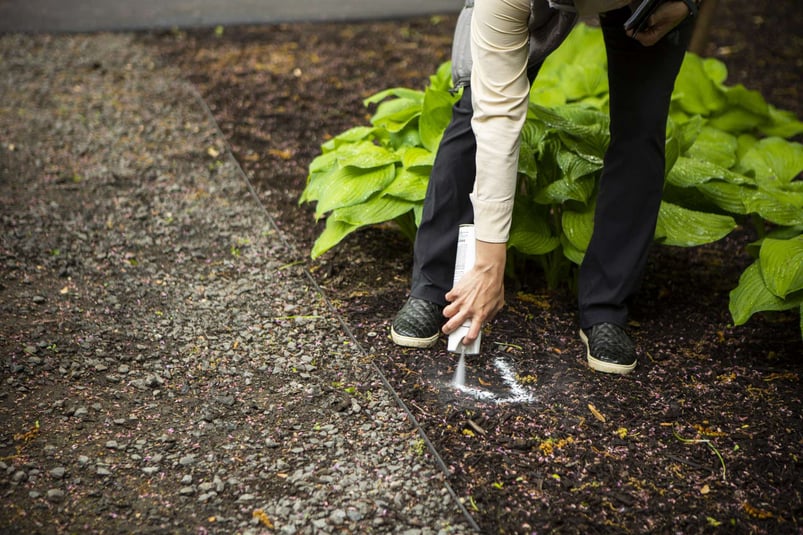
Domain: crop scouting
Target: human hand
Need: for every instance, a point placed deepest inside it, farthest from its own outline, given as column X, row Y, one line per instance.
column 480, row 292
column 666, row 17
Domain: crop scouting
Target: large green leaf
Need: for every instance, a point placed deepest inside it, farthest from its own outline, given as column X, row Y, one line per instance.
column 347, row 186
column 323, row 162
column 779, row 207
column 580, row 129
column 417, row 157
column 577, row 69
column 394, row 115
column 575, row 167
column 530, row 232
column 686, row 132
column 352, row 135
column 442, row 79
column 688, row 172
column 745, row 110
column 695, row 91
column 727, row 196
column 344, row 221
column 752, row 296
column 398, row 92
column 565, row 189
column 409, row 185
column 435, row 116
column 406, row 137
column 782, row 124
column 366, row 155
column 774, row 158
column 578, row 226
column 378, row 209
column 748, row 99
column 686, row 228
column 571, row 252
column 781, row 264
column 715, row 146
column 332, row 234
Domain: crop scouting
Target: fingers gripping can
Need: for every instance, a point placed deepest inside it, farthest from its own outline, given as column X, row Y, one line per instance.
column 464, row 261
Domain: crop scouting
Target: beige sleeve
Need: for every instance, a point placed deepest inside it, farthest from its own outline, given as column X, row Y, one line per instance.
column 500, row 92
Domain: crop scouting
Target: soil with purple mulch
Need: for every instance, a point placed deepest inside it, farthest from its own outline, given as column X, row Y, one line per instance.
column 705, row 436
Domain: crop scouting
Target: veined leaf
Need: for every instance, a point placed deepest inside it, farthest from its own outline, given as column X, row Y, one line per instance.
column 577, row 68
column 394, row 115
column 781, row 264
column 715, row 146
column 782, row 124
column 530, row 232
column 323, row 162
column 687, row 228
column 398, row 92
column 332, row 234
column 575, row 167
column 779, row 207
column 409, row 185
column 580, row 129
column 686, row 132
column 375, row 210
column 696, row 92
column 736, row 120
column 688, row 172
column 344, row 221
column 352, row 135
column 365, row 155
column 547, row 96
column 752, row 296
column 413, row 157
column 578, row 81
column 418, row 211
column 565, row 189
column 435, row 116
column 726, row 195
column 578, row 226
column 527, row 164
column 406, row 137
column 533, row 133
column 750, row 100
column 774, row 157
column 571, row 252
column 715, row 69
column 347, row 186
column 442, row 79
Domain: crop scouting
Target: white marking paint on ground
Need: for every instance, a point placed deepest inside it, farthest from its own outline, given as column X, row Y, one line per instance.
column 518, row 394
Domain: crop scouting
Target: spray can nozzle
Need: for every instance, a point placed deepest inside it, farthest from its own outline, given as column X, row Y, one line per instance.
column 464, row 261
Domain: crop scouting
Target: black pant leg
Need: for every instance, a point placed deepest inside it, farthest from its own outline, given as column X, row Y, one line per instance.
column 641, row 81
column 447, row 206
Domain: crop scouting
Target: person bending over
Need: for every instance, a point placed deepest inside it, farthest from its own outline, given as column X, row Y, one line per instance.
column 473, row 178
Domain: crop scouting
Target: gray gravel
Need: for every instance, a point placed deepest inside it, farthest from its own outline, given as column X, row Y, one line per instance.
column 167, row 363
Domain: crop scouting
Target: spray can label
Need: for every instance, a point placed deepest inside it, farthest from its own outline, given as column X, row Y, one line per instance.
column 464, row 261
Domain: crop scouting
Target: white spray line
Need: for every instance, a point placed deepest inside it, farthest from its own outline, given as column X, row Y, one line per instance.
column 518, row 394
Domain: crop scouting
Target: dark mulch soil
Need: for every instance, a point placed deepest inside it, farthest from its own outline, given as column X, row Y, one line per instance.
column 706, row 435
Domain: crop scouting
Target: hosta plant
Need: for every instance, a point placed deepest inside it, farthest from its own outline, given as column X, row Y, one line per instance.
column 729, row 161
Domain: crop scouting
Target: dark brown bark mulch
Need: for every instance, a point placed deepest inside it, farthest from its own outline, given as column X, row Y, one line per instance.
column 706, row 435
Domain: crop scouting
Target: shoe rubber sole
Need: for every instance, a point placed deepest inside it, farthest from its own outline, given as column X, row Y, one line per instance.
column 411, row 341
column 601, row 365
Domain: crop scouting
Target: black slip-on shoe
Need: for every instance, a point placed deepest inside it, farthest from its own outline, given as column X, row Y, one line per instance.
column 609, row 349
column 418, row 323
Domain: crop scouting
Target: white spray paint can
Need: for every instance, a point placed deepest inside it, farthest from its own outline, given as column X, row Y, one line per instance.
column 464, row 261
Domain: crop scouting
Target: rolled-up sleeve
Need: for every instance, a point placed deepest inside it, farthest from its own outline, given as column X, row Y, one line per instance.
column 500, row 91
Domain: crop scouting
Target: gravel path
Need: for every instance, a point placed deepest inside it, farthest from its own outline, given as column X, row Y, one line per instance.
column 168, row 366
